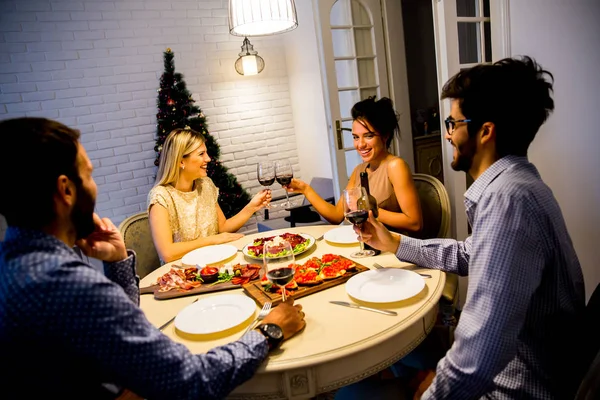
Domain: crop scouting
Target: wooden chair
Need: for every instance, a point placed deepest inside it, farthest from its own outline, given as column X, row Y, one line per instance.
column 137, row 236
column 435, row 207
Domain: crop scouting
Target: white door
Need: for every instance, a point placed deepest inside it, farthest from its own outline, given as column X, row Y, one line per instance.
column 467, row 32
column 353, row 58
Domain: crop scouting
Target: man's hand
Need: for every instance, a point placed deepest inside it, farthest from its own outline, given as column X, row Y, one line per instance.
column 105, row 243
column 289, row 317
column 376, row 235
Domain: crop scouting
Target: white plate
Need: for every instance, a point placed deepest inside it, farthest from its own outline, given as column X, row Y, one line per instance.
column 342, row 235
column 215, row 314
column 209, row 254
column 385, row 285
column 311, row 242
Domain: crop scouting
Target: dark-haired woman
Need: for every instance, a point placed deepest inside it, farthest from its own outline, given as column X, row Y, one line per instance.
column 390, row 180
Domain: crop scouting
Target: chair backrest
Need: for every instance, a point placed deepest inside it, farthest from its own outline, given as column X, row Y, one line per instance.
column 435, row 206
column 324, row 188
column 137, row 236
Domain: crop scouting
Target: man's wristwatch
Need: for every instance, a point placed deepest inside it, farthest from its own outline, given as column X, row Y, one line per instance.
column 273, row 333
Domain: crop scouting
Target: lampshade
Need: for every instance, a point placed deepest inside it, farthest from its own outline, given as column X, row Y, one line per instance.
column 249, row 62
column 261, row 17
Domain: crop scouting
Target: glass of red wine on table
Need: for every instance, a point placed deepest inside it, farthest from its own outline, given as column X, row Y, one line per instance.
column 356, row 211
column 284, row 174
column 279, row 262
column 265, row 172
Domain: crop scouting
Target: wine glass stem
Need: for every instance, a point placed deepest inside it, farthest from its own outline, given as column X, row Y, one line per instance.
column 288, row 199
column 282, row 293
column 362, row 244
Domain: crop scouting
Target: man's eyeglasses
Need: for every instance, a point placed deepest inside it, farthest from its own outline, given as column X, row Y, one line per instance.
column 451, row 124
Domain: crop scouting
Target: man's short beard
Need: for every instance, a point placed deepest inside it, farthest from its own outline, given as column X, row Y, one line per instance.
column 82, row 214
column 464, row 156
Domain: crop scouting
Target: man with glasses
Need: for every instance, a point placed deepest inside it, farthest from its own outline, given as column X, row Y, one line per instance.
column 517, row 334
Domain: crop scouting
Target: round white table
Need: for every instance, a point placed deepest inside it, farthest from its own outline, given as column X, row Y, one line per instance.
column 339, row 346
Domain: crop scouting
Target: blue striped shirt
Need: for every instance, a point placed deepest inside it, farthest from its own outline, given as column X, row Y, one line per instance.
column 517, row 334
column 66, row 330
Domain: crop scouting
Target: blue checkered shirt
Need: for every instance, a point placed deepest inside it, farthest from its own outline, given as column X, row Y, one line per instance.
column 66, row 330
column 517, row 334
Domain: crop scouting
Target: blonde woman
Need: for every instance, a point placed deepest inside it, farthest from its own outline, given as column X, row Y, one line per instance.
column 182, row 206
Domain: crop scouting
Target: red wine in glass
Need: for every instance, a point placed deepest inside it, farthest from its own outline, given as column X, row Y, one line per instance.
column 265, row 172
column 266, row 182
column 284, row 174
column 356, row 210
column 357, row 217
column 281, row 276
column 284, row 180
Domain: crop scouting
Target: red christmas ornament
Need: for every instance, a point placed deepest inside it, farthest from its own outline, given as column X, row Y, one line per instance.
column 170, row 102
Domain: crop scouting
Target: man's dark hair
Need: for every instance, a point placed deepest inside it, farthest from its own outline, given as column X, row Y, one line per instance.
column 512, row 93
column 380, row 114
column 34, row 153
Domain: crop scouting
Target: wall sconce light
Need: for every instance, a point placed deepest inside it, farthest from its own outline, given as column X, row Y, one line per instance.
column 261, row 17
column 249, row 62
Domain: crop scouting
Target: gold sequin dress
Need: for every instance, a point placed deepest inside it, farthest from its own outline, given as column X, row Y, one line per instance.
column 191, row 214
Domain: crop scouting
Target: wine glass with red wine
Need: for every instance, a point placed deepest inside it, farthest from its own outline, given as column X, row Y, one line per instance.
column 284, row 174
column 265, row 172
column 356, row 211
column 279, row 261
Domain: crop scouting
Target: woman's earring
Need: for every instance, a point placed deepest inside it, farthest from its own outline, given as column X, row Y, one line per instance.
column 182, row 167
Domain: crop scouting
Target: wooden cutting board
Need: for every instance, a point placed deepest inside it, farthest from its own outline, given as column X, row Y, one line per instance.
column 204, row 288
column 255, row 290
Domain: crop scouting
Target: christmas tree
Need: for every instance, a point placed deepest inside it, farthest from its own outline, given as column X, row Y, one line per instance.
column 176, row 109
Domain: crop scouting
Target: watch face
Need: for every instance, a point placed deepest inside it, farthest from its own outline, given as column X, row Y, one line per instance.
column 274, row 331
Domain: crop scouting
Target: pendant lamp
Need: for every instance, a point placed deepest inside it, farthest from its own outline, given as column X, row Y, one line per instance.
column 261, row 17
column 249, row 62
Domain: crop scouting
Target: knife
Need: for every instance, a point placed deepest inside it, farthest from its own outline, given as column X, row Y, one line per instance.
column 346, row 304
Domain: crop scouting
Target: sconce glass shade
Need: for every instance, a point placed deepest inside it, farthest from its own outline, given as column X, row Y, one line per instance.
column 261, row 17
column 249, row 62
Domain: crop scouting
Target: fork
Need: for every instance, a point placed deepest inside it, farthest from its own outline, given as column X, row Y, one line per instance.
column 261, row 315
column 378, row 266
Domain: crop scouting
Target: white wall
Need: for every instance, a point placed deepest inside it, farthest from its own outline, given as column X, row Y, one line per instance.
column 306, row 90
column 95, row 65
column 563, row 37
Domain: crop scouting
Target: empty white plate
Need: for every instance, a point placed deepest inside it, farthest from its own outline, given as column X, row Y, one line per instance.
column 385, row 285
column 215, row 314
column 343, row 235
column 209, row 254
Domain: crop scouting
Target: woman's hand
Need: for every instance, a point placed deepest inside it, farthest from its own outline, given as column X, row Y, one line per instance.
column 297, row 186
column 105, row 243
column 260, row 200
column 226, row 237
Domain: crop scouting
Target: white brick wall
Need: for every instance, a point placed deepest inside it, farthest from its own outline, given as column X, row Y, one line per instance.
column 95, row 65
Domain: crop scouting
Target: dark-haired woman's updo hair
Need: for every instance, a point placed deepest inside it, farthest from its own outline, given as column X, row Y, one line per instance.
column 380, row 114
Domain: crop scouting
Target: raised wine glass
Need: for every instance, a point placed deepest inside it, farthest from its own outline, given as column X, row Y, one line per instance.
column 356, row 211
column 265, row 172
column 284, row 174
column 278, row 259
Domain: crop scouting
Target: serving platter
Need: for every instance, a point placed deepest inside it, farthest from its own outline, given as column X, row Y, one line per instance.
column 310, row 239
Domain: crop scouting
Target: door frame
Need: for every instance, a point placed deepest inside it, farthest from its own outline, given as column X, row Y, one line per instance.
column 395, row 79
column 446, row 38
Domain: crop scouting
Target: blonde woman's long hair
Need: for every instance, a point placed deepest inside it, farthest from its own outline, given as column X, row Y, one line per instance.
column 179, row 144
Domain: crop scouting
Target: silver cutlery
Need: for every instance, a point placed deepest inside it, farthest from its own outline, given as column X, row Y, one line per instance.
column 320, row 238
column 423, row 275
column 351, row 305
column 261, row 315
